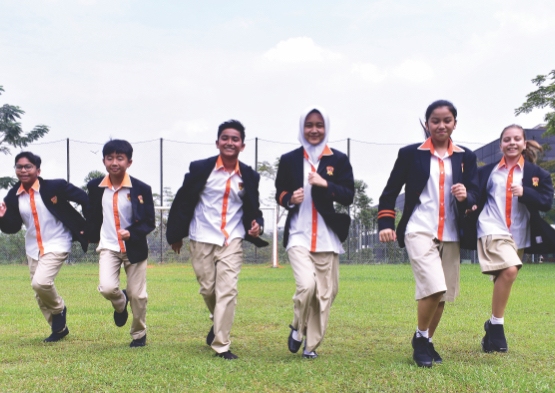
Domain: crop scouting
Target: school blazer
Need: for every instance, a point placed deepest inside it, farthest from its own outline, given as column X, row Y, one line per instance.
column 143, row 217
column 537, row 196
column 412, row 170
column 188, row 196
column 56, row 195
column 336, row 170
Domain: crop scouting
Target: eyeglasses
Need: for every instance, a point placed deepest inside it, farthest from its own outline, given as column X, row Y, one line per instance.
column 27, row 167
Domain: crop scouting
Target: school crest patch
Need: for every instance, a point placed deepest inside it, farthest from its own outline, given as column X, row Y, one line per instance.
column 535, row 181
column 241, row 186
column 330, row 170
column 129, row 196
column 140, row 199
column 54, row 199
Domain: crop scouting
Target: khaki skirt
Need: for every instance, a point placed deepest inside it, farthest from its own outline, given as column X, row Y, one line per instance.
column 498, row 252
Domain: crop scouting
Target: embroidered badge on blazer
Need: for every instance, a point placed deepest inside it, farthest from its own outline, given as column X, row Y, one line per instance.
column 330, row 170
column 54, row 199
column 240, row 186
column 129, row 196
column 535, row 181
column 140, row 198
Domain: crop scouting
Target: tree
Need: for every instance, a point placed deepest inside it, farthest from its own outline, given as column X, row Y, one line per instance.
column 361, row 209
column 11, row 134
column 541, row 98
column 91, row 176
column 269, row 171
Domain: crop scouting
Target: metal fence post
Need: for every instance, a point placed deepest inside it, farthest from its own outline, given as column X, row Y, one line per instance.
column 349, row 207
column 256, row 169
column 161, row 200
column 67, row 150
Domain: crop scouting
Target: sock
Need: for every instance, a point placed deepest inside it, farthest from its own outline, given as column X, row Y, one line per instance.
column 497, row 321
column 421, row 333
column 296, row 335
column 429, row 339
column 308, row 353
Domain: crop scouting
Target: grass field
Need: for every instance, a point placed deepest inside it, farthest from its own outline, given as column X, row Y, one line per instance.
column 367, row 346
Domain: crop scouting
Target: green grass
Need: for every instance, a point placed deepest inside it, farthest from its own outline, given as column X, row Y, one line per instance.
column 367, row 346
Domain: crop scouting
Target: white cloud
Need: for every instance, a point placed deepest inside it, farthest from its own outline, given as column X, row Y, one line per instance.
column 414, row 70
column 369, row 72
column 300, row 50
column 526, row 22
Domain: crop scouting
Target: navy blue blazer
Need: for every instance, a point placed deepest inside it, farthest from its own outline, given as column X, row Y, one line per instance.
column 143, row 217
column 336, row 170
column 56, row 195
column 412, row 170
column 188, row 196
column 537, row 196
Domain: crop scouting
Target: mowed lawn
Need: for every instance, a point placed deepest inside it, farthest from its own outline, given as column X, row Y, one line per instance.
column 367, row 346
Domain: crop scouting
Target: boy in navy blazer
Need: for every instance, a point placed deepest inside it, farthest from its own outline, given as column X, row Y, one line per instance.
column 218, row 207
column 52, row 224
column 121, row 212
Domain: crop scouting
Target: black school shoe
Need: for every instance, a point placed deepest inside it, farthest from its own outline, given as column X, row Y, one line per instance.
column 59, row 320
column 140, row 342
column 421, row 354
column 227, row 355
column 311, row 355
column 494, row 339
column 434, row 354
column 210, row 337
column 57, row 336
column 293, row 344
column 120, row 318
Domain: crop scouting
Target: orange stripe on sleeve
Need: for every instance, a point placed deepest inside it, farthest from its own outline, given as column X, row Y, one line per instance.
column 281, row 197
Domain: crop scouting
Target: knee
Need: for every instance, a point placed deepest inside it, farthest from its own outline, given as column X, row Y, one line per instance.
column 510, row 273
column 108, row 291
column 306, row 286
column 41, row 286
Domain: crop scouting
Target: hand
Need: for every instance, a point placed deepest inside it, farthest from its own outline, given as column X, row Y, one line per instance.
column 3, row 209
column 255, row 229
column 298, row 197
column 314, row 179
column 459, row 191
column 517, row 190
column 176, row 247
column 387, row 235
column 473, row 208
column 124, row 234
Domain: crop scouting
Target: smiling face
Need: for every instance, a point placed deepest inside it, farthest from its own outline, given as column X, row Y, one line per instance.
column 441, row 124
column 512, row 143
column 230, row 143
column 314, row 128
column 26, row 172
column 116, row 164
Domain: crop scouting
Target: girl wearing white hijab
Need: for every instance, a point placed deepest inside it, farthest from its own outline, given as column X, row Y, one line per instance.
column 309, row 180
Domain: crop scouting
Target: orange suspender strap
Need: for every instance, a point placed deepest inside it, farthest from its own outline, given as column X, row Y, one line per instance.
column 116, row 219
column 314, row 215
column 441, row 221
column 36, row 219
column 224, row 208
column 509, row 197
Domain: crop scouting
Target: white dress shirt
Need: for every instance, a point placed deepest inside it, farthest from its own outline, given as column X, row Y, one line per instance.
column 117, row 213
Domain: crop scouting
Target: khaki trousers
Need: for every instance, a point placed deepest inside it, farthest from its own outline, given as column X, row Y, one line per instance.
column 317, row 278
column 217, row 269
column 109, row 269
column 43, row 272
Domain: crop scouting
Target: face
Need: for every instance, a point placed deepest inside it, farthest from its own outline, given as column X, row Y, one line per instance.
column 314, row 128
column 512, row 143
column 230, row 143
column 116, row 163
column 441, row 124
column 26, row 172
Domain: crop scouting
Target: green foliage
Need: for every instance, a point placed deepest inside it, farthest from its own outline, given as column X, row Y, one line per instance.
column 542, row 98
column 91, row 176
column 361, row 209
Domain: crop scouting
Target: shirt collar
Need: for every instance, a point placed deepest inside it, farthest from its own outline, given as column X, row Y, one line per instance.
column 35, row 186
column 428, row 145
column 125, row 183
column 326, row 152
column 220, row 165
column 520, row 163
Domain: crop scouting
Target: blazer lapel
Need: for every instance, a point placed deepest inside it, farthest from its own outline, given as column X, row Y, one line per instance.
column 424, row 166
column 456, row 167
column 134, row 191
column 298, row 168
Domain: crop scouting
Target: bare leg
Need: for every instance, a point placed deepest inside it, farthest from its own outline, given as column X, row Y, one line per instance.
column 427, row 309
column 436, row 319
column 502, row 290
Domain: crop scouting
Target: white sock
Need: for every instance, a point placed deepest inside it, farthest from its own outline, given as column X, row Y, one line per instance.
column 497, row 321
column 429, row 339
column 296, row 335
column 309, row 353
column 422, row 333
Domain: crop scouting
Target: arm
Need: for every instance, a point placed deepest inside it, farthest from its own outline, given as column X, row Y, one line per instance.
column 77, row 195
column 10, row 221
column 396, row 181
column 146, row 224
column 283, row 192
column 540, row 197
column 342, row 189
column 176, row 230
column 470, row 182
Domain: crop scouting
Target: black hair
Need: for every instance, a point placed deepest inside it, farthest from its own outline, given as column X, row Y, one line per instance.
column 438, row 104
column 33, row 158
column 234, row 124
column 314, row 111
column 118, row 146
column 532, row 149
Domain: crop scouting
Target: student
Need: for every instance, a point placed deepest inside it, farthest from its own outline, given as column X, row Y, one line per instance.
column 217, row 207
column 121, row 215
column 309, row 180
column 52, row 224
column 441, row 182
column 512, row 192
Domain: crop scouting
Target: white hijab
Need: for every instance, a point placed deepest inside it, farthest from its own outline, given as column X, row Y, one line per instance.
column 314, row 151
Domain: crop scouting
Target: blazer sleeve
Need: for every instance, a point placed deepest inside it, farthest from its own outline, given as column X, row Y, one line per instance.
column 396, row 181
column 283, row 184
column 259, row 216
column 77, row 195
column 139, row 230
column 176, row 230
column 540, row 197
column 470, row 181
column 11, row 222
column 342, row 189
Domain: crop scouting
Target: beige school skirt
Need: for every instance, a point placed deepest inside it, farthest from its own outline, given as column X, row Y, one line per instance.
column 498, row 252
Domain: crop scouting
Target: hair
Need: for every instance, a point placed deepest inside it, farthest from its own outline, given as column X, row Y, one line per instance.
column 432, row 107
column 118, row 146
column 33, row 158
column 234, row 124
column 314, row 111
column 532, row 149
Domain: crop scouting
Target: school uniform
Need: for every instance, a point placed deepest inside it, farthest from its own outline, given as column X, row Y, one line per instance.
column 314, row 233
column 129, row 207
column 52, row 225
column 215, row 210
column 431, row 224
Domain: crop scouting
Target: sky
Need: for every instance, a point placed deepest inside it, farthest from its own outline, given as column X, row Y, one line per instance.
column 142, row 70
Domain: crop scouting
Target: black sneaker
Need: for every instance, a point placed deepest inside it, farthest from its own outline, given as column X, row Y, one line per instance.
column 57, row 336
column 140, row 342
column 310, row 355
column 494, row 339
column 227, row 355
column 59, row 320
column 293, row 344
column 210, row 337
column 421, row 354
column 120, row 318
column 437, row 358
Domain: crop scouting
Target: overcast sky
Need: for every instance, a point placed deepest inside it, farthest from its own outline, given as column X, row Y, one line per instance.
column 144, row 70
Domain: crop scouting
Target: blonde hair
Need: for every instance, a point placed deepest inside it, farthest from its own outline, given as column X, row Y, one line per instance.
column 532, row 149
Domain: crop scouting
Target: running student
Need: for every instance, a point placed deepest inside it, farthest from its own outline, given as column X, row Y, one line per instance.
column 309, row 180
column 52, row 224
column 512, row 192
column 441, row 183
column 121, row 215
column 217, row 207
